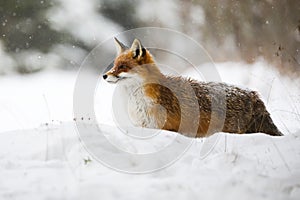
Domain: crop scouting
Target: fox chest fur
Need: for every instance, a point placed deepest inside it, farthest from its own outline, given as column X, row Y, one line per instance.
column 169, row 103
column 139, row 105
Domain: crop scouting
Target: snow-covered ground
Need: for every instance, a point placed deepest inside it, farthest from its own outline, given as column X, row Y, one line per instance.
column 42, row 157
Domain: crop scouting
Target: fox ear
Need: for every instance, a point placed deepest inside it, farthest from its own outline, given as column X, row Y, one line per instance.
column 137, row 49
column 120, row 46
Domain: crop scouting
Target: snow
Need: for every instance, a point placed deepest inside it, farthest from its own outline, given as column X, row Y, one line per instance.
column 31, row 100
column 42, row 157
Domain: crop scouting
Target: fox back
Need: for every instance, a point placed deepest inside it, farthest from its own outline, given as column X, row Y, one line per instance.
column 184, row 105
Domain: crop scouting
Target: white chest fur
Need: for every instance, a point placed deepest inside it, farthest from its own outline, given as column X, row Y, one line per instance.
column 138, row 105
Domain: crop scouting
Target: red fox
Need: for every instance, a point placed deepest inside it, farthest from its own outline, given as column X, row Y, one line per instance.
column 165, row 102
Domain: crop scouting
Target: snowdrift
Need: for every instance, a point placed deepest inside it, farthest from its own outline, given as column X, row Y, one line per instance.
column 43, row 155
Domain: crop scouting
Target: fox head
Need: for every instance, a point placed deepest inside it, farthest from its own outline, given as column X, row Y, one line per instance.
column 131, row 63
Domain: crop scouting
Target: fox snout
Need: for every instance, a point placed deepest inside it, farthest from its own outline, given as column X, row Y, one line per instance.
column 110, row 77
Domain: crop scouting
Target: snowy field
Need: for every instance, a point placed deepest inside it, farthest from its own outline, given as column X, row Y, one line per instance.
column 41, row 156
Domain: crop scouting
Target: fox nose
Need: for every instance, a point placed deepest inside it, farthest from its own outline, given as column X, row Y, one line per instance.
column 104, row 76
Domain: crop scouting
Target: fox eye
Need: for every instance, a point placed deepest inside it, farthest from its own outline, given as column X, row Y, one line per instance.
column 122, row 67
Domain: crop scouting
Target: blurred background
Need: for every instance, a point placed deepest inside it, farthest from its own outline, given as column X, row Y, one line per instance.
column 40, row 34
